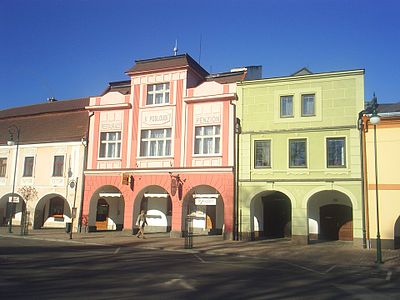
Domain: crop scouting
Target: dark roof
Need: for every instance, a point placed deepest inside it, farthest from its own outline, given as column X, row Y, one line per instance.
column 166, row 63
column 388, row 107
column 50, row 127
column 46, row 107
column 123, row 87
column 227, row 77
column 302, row 71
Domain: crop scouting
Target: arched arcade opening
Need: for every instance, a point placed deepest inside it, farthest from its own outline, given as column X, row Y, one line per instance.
column 157, row 204
column 51, row 211
column 205, row 207
column 106, row 211
column 8, row 208
column 271, row 215
column 330, row 216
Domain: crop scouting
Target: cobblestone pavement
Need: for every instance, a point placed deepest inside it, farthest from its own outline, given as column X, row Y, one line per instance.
column 329, row 253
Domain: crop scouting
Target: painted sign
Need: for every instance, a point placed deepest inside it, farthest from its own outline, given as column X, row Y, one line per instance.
column 110, row 126
column 205, row 201
column 156, row 118
column 208, row 119
column 14, row 199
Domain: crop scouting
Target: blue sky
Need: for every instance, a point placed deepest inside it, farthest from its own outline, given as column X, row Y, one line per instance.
column 71, row 49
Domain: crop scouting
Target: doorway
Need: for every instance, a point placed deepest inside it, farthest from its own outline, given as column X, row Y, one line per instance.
column 103, row 209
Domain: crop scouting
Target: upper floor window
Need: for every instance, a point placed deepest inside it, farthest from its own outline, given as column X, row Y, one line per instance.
column 157, row 93
column 110, row 144
column 3, row 166
column 58, row 166
column 207, row 139
column 155, row 142
column 336, row 152
column 262, row 151
column 286, row 106
column 28, row 166
column 308, row 105
column 298, row 153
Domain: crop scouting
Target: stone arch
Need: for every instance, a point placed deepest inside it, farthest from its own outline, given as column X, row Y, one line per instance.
column 6, row 208
column 52, row 211
column 204, row 205
column 397, row 233
column 330, row 216
column 106, row 209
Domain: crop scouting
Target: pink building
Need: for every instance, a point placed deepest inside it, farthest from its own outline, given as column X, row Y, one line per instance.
column 163, row 141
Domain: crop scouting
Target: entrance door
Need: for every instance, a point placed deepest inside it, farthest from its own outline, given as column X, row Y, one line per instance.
column 277, row 216
column 211, row 214
column 336, row 222
column 102, row 215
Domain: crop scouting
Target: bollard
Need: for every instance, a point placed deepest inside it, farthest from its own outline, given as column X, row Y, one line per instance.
column 189, row 233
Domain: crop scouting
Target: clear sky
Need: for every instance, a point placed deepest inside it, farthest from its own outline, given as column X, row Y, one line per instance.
column 73, row 48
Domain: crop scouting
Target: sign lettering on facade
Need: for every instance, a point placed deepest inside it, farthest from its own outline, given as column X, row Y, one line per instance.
column 111, row 126
column 155, row 118
column 205, row 201
column 207, row 119
column 14, row 199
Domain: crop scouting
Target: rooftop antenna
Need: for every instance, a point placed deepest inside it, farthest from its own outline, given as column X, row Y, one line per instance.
column 176, row 48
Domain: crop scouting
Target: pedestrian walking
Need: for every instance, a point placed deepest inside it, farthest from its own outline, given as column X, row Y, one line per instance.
column 140, row 223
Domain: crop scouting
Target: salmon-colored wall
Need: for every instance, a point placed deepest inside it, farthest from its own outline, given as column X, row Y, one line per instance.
column 222, row 182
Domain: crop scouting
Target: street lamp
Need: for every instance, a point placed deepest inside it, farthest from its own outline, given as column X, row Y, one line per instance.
column 73, row 184
column 375, row 119
column 12, row 131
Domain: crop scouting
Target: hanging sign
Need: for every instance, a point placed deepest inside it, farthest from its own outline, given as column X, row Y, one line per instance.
column 14, row 199
column 205, row 201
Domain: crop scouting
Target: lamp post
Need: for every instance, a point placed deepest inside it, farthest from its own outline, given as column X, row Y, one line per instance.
column 13, row 130
column 375, row 119
column 73, row 184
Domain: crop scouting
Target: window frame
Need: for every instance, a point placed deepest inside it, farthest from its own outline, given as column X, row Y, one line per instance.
column 202, row 137
column 106, row 142
column 148, row 139
column 270, row 154
column 25, row 173
column 3, row 167
column 165, row 90
column 305, row 166
column 303, row 96
column 344, row 163
column 54, row 166
column 281, row 98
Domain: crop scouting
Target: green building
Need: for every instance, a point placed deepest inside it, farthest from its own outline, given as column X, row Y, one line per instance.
column 299, row 170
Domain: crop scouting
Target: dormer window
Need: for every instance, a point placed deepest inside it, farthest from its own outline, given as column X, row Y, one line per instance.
column 157, row 94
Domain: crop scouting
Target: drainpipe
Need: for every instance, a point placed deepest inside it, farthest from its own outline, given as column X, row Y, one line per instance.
column 85, row 155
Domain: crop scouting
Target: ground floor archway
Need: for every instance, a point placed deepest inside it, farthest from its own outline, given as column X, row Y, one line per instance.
column 204, row 206
column 52, row 211
column 8, row 209
column 271, row 214
column 330, row 216
column 397, row 234
column 106, row 211
column 157, row 204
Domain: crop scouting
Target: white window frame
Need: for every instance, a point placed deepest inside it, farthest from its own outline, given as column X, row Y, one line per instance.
column 106, row 142
column 201, row 137
column 306, row 154
column 344, row 166
column 33, row 166
column 306, row 96
column 270, row 154
column 63, row 167
column 148, row 140
column 153, row 92
column 286, row 97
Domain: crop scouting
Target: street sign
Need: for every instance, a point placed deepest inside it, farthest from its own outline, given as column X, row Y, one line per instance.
column 74, row 212
column 205, row 201
column 14, row 199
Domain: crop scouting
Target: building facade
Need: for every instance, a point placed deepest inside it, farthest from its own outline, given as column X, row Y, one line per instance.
column 388, row 161
column 44, row 163
column 163, row 142
column 299, row 157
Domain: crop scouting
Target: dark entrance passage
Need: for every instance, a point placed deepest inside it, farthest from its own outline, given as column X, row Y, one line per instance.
column 336, row 222
column 277, row 215
column 102, row 214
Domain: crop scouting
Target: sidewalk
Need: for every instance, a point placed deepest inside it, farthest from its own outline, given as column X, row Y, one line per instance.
column 329, row 253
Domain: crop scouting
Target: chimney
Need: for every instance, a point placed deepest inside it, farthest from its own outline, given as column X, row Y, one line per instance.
column 51, row 99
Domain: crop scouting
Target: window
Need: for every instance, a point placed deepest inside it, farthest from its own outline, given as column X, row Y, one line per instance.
column 308, row 105
column 262, row 151
column 157, row 93
column 155, row 142
column 28, row 166
column 286, row 106
column 207, row 139
column 56, row 207
column 110, row 144
column 58, row 166
column 3, row 167
column 298, row 153
column 336, row 152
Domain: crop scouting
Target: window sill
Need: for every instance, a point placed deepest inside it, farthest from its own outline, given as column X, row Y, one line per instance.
column 108, row 158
